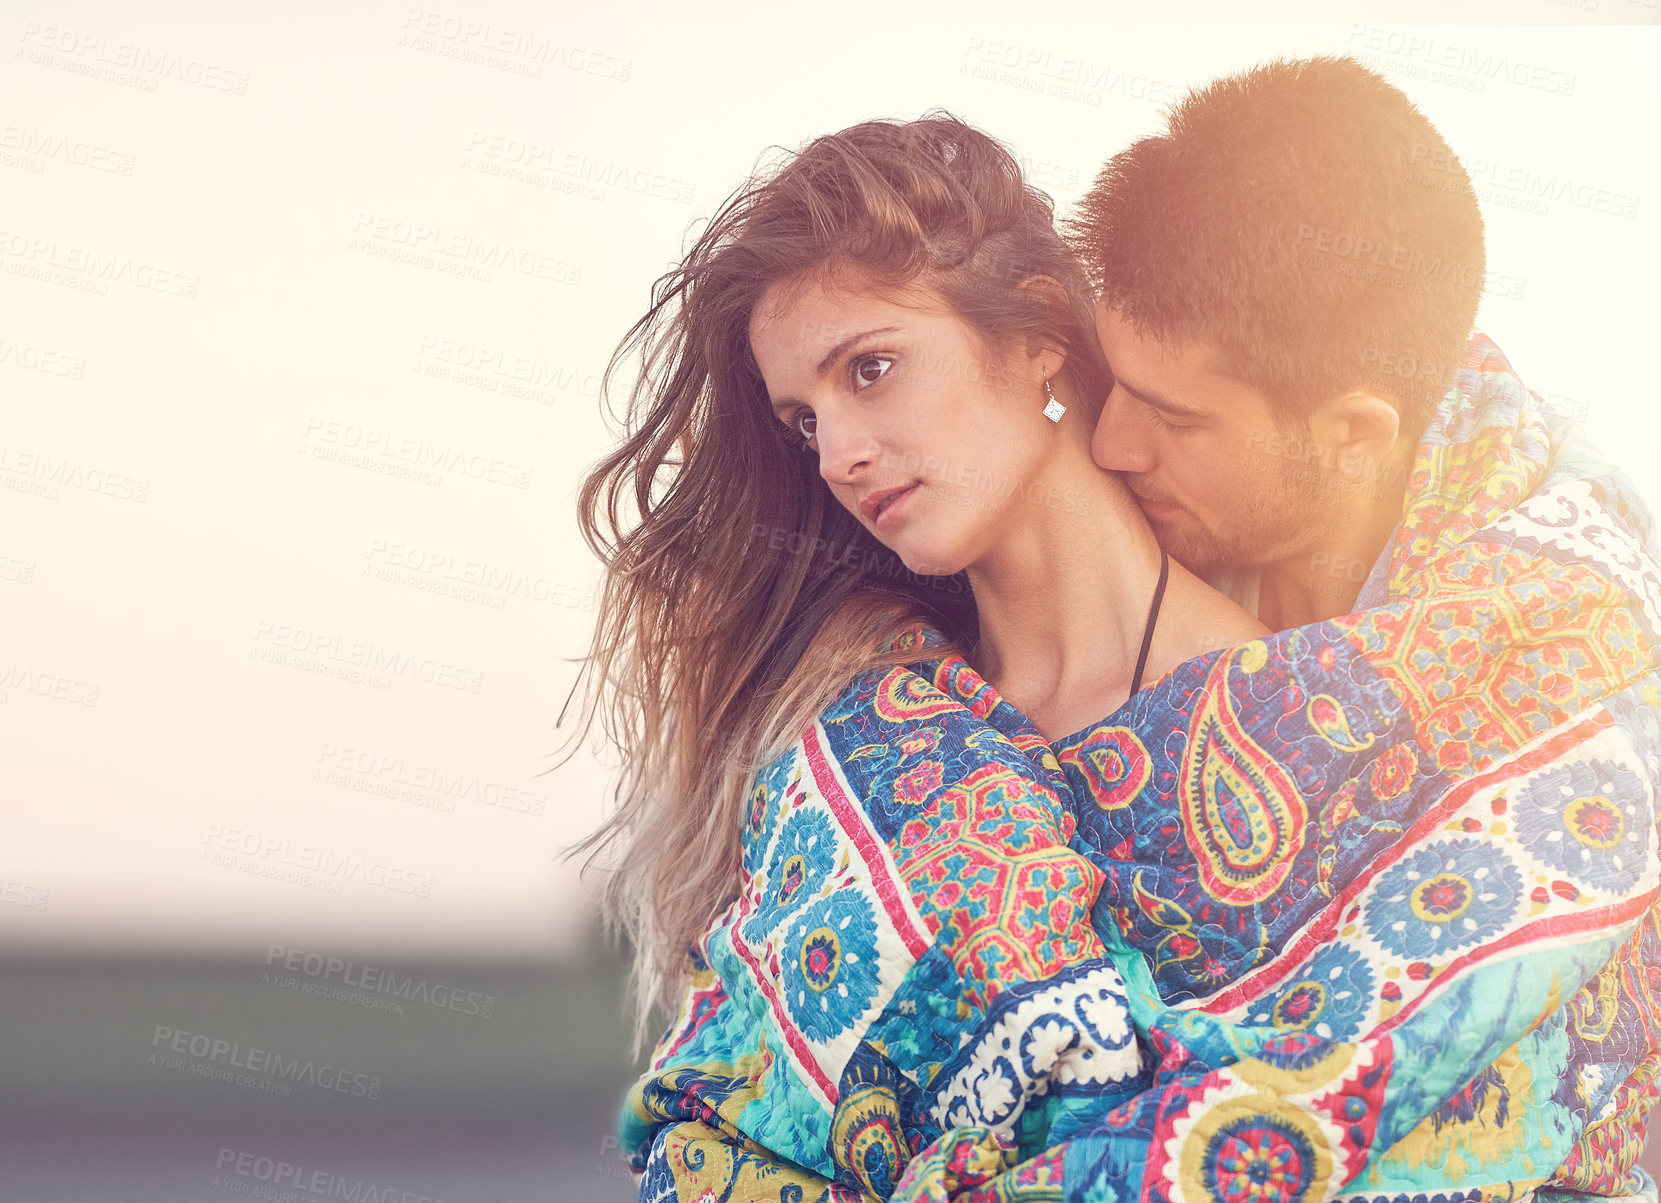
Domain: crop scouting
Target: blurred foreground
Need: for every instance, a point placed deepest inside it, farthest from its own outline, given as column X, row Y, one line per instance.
column 298, row 1080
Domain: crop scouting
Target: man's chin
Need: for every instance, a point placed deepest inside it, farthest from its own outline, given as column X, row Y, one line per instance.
column 1197, row 554
column 1181, row 536
column 1202, row 566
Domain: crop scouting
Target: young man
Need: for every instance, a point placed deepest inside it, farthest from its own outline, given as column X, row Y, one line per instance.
column 1288, row 278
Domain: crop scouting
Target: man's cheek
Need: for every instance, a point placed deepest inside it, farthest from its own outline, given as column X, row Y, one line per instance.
column 1257, row 466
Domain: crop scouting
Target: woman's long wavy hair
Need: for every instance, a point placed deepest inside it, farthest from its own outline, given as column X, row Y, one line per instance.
column 740, row 598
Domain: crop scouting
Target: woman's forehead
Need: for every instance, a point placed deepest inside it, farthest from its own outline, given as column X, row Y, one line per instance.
column 828, row 306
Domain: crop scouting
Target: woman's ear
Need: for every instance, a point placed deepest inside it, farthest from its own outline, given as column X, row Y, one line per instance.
column 1047, row 294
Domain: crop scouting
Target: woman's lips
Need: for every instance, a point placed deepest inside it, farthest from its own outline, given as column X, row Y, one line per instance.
column 885, row 509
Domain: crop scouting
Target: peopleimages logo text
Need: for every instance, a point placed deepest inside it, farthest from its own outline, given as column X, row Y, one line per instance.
column 232, row 1054
column 270, row 1173
column 375, row 980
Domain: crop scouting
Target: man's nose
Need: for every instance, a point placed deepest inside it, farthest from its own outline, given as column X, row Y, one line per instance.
column 1120, row 442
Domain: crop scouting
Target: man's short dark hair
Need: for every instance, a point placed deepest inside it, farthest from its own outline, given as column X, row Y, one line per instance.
column 1305, row 218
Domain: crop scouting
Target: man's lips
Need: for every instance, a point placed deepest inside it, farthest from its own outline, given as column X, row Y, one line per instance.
column 1155, row 509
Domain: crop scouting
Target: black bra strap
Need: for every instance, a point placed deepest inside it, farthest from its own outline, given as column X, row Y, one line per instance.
column 1153, row 617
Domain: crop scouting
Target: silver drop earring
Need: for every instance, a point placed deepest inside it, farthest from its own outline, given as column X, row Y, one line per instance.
column 1053, row 409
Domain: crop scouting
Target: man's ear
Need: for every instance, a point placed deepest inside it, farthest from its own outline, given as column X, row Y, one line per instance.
column 1361, row 430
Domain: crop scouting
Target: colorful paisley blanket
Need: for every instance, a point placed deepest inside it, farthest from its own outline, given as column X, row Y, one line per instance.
column 1365, row 910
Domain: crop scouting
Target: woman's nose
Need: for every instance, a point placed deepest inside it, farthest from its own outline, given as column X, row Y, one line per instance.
column 847, row 446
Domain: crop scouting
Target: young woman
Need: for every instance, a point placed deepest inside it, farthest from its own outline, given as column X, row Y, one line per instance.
column 861, row 436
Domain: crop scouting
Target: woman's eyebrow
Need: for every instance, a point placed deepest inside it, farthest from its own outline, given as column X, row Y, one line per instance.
column 832, row 355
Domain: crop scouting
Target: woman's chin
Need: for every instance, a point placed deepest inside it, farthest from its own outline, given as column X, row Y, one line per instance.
column 929, row 565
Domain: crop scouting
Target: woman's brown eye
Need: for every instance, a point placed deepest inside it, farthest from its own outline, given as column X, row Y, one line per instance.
column 806, row 425
column 871, row 369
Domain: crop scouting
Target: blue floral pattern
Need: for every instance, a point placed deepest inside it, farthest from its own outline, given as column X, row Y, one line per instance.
column 1329, row 996
column 1584, row 820
column 1446, row 896
column 803, row 859
column 761, row 806
column 829, row 965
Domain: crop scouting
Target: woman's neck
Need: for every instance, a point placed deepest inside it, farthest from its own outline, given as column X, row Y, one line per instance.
column 1064, row 597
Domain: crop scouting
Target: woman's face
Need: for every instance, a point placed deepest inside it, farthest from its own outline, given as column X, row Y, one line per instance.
column 936, row 444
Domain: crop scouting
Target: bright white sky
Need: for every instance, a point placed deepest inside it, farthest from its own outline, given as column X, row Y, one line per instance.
column 276, row 172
